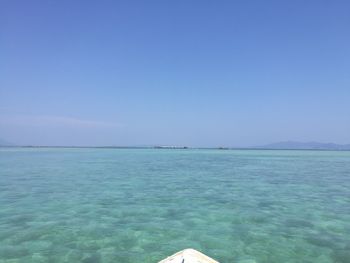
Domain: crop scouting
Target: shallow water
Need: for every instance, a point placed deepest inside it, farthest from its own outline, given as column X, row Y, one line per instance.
column 141, row 205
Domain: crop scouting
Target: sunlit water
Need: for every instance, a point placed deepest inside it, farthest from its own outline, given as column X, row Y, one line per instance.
column 141, row 205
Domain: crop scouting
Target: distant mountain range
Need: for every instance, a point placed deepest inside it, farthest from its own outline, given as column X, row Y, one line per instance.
column 305, row 146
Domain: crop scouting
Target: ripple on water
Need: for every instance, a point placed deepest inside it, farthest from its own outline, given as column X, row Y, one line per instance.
column 105, row 206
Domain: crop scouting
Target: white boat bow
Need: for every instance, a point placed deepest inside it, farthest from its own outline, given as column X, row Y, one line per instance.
column 188, row 256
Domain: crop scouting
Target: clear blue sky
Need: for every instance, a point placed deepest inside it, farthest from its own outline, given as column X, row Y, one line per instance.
column 196, row 73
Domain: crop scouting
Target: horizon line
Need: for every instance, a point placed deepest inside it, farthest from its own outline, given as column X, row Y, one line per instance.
column 170, row 148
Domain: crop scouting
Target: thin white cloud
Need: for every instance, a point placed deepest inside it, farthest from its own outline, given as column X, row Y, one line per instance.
column 61, row 121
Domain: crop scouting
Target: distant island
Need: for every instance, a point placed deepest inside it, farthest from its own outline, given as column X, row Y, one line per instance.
column 169, row 147
column 285, row 145
column 292, row 145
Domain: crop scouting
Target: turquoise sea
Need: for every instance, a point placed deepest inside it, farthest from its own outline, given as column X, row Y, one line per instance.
column 141, row 205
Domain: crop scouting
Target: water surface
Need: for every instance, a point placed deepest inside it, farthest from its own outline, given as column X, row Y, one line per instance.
column 141, row 205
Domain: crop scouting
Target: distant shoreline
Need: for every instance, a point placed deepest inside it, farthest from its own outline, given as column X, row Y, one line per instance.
column 174, row 148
